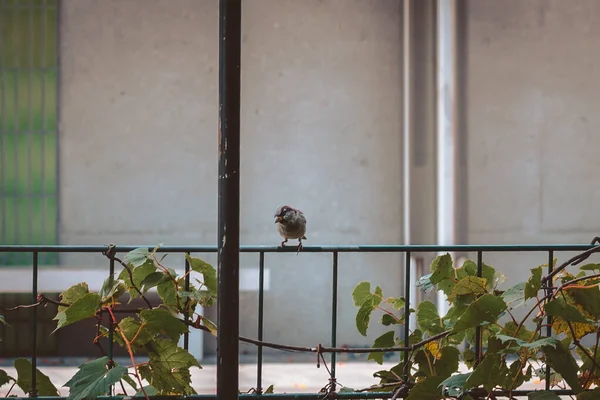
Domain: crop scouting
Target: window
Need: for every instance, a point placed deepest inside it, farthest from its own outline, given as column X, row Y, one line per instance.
column 28, row 126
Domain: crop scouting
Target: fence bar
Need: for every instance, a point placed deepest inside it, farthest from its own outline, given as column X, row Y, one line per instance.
column 111, row 342
column 186, row 316
column 549, row 318
column 406, row 310
column 230, row 20
column 334, row 296
column 261, row 293
column 478, row 329
column 34, row 324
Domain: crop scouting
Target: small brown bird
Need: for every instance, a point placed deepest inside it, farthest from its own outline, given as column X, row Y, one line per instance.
column 291, row 224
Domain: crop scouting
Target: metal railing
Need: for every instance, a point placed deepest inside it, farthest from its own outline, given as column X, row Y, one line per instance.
column 478, row 250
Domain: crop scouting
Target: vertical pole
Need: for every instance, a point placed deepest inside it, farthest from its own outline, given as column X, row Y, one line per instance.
column 34, row 327
column 230, row 13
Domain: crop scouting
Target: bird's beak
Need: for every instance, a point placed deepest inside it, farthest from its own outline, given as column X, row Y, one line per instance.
column 278, row 219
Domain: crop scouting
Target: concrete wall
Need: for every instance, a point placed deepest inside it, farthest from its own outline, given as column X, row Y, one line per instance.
column 533, row 112
column 321, row 127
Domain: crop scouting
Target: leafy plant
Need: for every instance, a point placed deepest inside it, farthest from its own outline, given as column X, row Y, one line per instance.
column 156, row 330
column 510, row 352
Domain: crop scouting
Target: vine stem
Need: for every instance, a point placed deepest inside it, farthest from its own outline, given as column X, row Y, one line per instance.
column 130, row 351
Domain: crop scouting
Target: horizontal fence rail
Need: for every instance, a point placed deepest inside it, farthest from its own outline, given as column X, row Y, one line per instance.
column 334, row 250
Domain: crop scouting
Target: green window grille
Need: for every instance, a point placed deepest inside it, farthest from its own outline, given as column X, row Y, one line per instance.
column 28, row 126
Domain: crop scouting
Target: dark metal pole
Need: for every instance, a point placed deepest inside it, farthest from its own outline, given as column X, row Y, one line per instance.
column 230, row 12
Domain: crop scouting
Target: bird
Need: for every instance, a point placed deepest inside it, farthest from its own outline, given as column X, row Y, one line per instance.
column 291, row 224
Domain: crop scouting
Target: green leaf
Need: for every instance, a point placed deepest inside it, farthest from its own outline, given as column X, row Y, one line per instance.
column 588, row 298
column 72, row 294
column 427, row 389
column 454, row 385
column 590, row 267
column 562, row 361
column 543, row 395
column 361, row 292
column 468, row 285
column 515, row 296
column 112, row 288
column 428, row 318
column 534, row 283
column 559, row 308
column 484, row 310
column 447, row 364
column 137, row 257
column 363, row 316
column 167, row 291
column 487, row 272
column 489, row 373
column 397, row 302
column 5, row 378
column 94, row 379
column 515, row 377
column 150, row 391
column 548, row 341
column 151, row 281
column 131, row 328
column 443, row 273
column 168, row 367
column 385, row 340
column 131, row 382
column 270, row 390
column 139, row 274
column 24, row 376
column 591, row 395
column 212, row 327
column 163, row 322
column 208, row 272
column 387, row 320
column 83, row 308
column 469, row 357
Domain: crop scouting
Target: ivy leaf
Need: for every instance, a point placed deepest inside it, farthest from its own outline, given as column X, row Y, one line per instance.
column 515, row 376
column 489, row 373
column 168, row 367
column 442, row 273
column 111, row 288
column 484, row 310
column 588, row 299
column 385, row 340
column 448, row 361
column 5, row 378
column 469, row 357
column 454, row 385
column 212, row 327
column 72, row 294
column 271, row 390
column 44, row 385
column 139, row 274
column 559, row 308
column 208, row 272
column 137, row 257
column 151, row 281
column 590, row 267
column 397, row 302
column 363, row 316
column 562, row 361
column 426, row 389
column 150, row 391
column 428, row 318
column 167, row 291
column 468, row 285
column 94, row 379
column 548, row 341
column 361, row 292
column 487, row 272
column 534, row 283
column 132, row 328
column 387, row 320
column 542, row 395
column 591, row 395
column 515, row 296
column 82, row 308
column 163, row 322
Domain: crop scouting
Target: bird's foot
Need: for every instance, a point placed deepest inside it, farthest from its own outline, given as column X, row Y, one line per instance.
column 299, row 248
column 283, row 243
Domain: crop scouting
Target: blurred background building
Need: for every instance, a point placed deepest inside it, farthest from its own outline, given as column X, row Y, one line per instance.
column 385, row 121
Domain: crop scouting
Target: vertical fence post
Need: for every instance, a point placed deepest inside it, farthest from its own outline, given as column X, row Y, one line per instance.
column 230, row 13
column 186, row 316
column 34, row 327
column 261, row 300
column 549, row 318
column 334, row 295
column 478, row 338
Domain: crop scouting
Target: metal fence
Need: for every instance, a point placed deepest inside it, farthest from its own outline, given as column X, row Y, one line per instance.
column 551, row 251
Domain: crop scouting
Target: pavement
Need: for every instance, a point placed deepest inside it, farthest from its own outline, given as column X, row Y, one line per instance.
column 299, row 377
